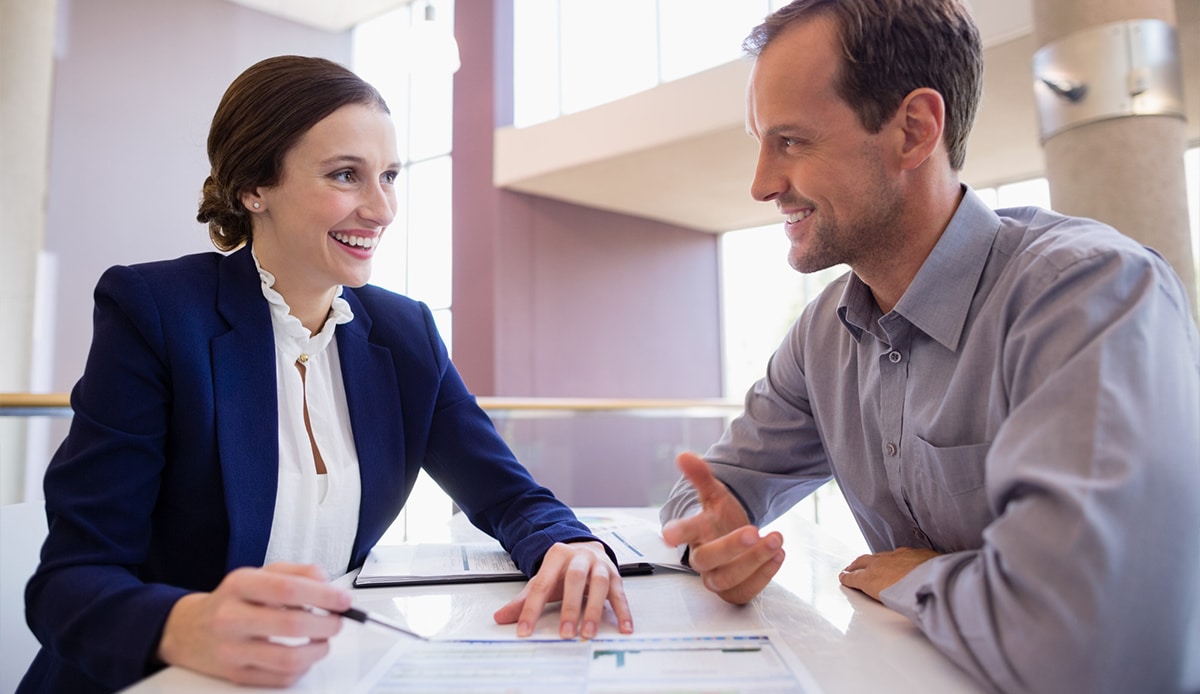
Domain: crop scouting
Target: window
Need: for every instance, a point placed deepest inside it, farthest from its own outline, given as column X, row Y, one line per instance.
column 761, row 296
column 695, row 35
column 415, row 256
column 570, row 55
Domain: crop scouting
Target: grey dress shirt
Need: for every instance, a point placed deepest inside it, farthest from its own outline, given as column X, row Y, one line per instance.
column 1030, row 408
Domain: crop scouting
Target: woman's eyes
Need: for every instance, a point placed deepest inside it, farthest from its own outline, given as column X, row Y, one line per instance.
column 348, row 176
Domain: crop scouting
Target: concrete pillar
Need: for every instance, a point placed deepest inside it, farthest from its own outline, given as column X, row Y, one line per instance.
column 1126, row 171
column 26, row 74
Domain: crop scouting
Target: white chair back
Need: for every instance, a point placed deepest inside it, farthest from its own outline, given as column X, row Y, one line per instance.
column 22, row 530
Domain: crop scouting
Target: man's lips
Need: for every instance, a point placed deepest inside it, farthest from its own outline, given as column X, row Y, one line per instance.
column 798, row 215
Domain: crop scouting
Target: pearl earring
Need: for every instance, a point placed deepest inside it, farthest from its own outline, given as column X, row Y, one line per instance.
column 256, row 205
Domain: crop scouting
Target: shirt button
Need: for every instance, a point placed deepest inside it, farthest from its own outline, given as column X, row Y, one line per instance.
column 894, row 357
column 891, row 449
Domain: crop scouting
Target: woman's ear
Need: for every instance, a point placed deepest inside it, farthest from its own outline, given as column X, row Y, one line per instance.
column 922, row 117
column 252, row 201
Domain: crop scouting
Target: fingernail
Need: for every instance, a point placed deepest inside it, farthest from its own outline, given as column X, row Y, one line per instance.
column 589, row 630
column 567, row 630
column 524, row 629
column 627, row 627
column 774, row 541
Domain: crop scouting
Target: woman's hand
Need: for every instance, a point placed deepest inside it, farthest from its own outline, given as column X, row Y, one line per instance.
column 572, row 573
column 257, row 627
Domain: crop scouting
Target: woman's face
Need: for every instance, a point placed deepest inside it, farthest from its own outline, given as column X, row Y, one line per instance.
column 320, row 225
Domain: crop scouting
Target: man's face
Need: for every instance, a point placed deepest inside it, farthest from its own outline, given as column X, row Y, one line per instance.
column 825, row 172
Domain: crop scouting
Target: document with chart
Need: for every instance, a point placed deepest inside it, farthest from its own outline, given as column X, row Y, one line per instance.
column 750, row 663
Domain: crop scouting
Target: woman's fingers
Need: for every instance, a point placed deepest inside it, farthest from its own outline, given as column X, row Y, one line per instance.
column 257, row 627
column 584, row 579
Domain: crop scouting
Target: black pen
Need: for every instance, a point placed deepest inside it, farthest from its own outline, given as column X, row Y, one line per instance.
column 364, row 617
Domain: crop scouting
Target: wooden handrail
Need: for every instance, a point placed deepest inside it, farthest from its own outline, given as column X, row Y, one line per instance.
column 50, row 401
column 35, row 400
column 605, row 404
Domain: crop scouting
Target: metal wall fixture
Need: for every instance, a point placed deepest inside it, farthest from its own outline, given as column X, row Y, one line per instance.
column 1116, row 70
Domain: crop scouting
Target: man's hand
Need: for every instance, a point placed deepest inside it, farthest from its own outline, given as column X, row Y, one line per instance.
column 257, row 627
column 571, row 572
column 733, row 561
column 874, row 573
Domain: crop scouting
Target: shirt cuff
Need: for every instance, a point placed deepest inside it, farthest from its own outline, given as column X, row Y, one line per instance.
column 907, row 595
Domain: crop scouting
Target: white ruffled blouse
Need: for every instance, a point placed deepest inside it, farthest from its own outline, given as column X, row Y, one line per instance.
column 316, row 515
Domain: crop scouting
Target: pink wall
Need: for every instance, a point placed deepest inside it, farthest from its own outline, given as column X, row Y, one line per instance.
column 621, row 306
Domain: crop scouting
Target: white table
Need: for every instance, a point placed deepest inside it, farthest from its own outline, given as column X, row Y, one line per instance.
column 846, row 640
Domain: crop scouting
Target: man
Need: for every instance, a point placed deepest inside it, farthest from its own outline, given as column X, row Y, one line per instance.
column 1009, row 401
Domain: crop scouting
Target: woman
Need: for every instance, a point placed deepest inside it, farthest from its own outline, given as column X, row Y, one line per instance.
column 249, row 424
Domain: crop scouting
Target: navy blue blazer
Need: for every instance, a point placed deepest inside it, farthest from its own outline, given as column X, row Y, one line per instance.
column 167, row 479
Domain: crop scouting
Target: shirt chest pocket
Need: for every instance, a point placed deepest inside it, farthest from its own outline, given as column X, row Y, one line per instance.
column 946, row 493
column 954, row 469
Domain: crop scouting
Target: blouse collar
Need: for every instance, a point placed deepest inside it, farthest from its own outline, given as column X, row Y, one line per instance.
column 292, row 339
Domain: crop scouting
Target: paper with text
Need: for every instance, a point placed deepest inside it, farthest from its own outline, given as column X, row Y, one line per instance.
column 754, row 663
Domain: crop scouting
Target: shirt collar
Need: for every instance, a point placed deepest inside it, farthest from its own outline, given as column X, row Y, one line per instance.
column 857, row 308
column 939, row 297
column 290, row 334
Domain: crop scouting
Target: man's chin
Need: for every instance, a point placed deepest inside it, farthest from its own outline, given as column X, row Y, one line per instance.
column 807, row 264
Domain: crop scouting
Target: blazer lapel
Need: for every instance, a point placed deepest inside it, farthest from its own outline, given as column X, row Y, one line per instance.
column 247, row 409
column 373, row 398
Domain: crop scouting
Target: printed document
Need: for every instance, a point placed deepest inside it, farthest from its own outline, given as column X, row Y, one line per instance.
column 754, row 663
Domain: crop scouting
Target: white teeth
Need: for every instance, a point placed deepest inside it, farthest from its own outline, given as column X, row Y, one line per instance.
column 360, row 241
column 794, row 217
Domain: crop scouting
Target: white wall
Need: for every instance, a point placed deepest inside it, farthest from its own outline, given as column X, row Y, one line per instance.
column 26, row 66
column 136, row 84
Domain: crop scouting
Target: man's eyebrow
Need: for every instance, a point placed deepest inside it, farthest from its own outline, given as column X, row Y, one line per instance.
column 789, row 128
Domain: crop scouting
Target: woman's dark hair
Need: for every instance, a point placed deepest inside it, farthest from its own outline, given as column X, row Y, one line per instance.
column 890, row 48
column 262, row 115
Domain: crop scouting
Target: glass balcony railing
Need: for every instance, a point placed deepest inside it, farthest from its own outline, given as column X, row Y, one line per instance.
column 590, row 452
